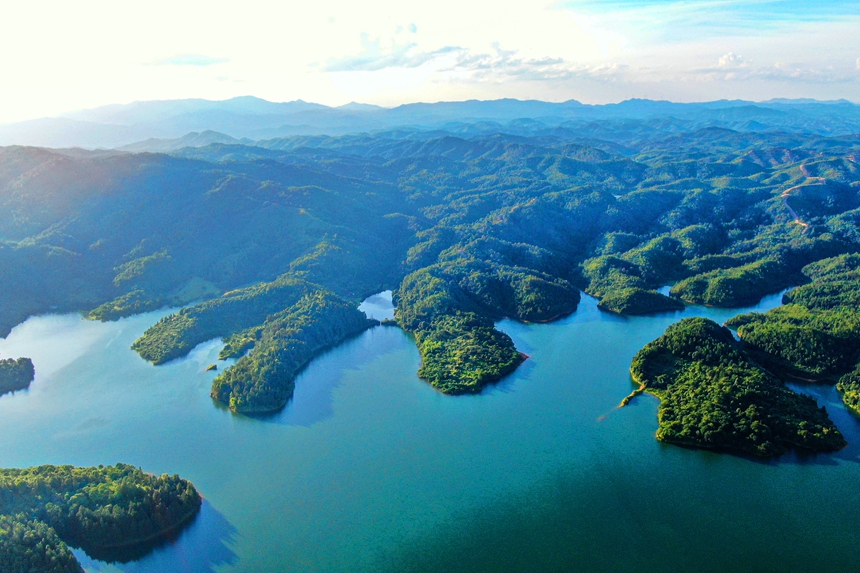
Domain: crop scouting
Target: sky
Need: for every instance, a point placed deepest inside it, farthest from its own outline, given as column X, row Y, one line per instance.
column 59, row 57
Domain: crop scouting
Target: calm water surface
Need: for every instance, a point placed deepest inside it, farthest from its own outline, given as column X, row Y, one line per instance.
column 378, row 306
column 370, row 469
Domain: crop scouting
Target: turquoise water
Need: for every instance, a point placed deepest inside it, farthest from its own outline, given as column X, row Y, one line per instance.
column 370, row 469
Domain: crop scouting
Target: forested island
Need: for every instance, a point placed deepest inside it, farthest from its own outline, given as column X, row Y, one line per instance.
column 46, row 509
column 270, row 245
column 716, row 392
column 713, row 395
column 16, row 374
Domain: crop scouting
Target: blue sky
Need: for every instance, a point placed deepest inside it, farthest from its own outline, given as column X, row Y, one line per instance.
column 746, row 13
column 720, row 17
column 61, row 56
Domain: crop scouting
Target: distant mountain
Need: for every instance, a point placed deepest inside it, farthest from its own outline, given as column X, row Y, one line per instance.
column 354, row 106
column 193, row 139
column 64, row 132
column 254, row 119
column 804, row 101
column 160, row 110
column 502, row 109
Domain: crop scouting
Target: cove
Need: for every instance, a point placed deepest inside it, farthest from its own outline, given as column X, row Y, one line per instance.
column 370, row 469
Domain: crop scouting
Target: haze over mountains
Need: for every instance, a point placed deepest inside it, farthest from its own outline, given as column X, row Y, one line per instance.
column 174, row 124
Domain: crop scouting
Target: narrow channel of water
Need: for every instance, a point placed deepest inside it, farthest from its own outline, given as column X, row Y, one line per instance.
column 370, row 469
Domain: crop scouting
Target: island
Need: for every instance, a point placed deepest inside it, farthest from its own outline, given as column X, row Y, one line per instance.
column 712, row 395
column 270, row 245
column 45, row 510
column 720, row 393
column 632, row 301
column 16, row 374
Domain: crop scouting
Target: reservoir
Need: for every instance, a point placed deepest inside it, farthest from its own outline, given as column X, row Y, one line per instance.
column 369, row 469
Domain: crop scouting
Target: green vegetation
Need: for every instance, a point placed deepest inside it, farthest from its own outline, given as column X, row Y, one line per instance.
column 734, row 286
column 134, row 302
column 139, row 300
column 849, row 386
column 175, row 335
column 776, row 266
column 450, row 307
column 462, row 352
column 28, row 546
column 802, row 343
column 816, row 335
column 826, row 294
column 43, row 509
column 832, row 268
column 610, row 273
column 286, row 322
column 703, row 376
column 263, row 380
column 713, row 396
column 635, row 271
column 15, row 374
column 834, row 284
column 638, row 301
column 466, row 231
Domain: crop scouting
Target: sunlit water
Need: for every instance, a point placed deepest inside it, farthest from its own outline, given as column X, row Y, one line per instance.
column 369, row 469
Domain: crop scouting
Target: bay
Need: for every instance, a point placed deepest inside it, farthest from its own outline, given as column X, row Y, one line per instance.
column 370, row 469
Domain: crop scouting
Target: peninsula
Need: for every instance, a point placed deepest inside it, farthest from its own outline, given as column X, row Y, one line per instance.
column 44, row 510
column 269, row 245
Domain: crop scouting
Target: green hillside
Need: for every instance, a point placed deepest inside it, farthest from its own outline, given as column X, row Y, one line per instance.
column 46, row 509
column 465, row 229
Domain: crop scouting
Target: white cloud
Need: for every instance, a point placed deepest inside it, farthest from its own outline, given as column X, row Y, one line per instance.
column 517, row 48
column 457, row 64
column 731, row 60
column 467, row 64
column 510, row 64
column 858, row 63
column 374, row 58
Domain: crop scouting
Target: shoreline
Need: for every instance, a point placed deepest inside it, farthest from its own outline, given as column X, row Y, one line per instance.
column 163, row 533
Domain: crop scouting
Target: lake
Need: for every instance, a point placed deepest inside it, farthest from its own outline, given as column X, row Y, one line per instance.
column 370, row 469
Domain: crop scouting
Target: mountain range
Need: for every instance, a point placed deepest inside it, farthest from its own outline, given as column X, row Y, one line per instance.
column 268, row 237
column 173, row 124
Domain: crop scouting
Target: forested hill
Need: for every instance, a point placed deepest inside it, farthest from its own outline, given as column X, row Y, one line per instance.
column 465, row 229
column 42, row 509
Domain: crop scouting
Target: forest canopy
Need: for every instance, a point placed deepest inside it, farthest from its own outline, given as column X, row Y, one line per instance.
column 46, row 509
column 16, row 374
column 465, row 228
column 713, row 395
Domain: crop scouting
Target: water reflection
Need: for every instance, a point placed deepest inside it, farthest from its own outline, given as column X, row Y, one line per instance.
column 313, row 400
column 201, row 547
column 848, row 423
column 379, row 306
